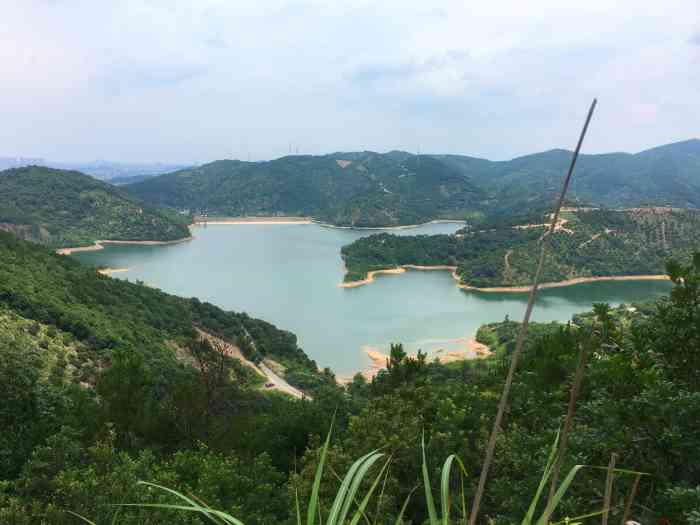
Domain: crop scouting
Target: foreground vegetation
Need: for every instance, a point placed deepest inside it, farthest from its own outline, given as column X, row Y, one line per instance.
column 67, row 208
column 398, row 188
column 105, row 384
column 587, row 243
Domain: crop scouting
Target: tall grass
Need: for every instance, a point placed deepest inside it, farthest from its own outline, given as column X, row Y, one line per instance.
column 349, row 504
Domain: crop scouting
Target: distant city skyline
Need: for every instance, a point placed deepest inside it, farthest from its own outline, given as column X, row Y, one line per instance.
column 184, row 82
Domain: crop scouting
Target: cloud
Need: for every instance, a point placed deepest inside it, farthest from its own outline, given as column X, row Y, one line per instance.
column 178, row 81
column 695, row 39
column 126, row 76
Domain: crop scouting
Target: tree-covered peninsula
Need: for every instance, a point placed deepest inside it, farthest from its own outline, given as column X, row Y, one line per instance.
column 586, row 243
column 61, row 208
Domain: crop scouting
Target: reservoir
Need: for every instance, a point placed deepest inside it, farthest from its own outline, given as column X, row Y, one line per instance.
column 288, row 274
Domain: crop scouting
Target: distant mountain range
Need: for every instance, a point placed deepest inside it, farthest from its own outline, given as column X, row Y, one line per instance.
column 64, row 208
column 67, row 208
column 395, row 188
column 114, row 172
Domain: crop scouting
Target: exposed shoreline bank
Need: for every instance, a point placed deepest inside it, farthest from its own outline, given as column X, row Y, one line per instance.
column 110, row 271
column 99, row 245
column 402, row 227
column 472, row 349
column 310, row 220
column 395, row 271
column 500, row 289
column 252, row 220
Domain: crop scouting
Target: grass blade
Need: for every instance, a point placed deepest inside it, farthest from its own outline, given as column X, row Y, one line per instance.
column 313, row 500
column 559, row 494
column 209, row 513
column 343, row 498
column 81, row 517
column 365, row 501
column 399, row 518
column 432, row 513
column 359, row 476
column 445, row 489
column 527, row 520
column 116, row 515
column 296, row 502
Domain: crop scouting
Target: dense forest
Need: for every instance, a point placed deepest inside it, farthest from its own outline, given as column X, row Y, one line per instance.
column 67, row 208
column 353, row 189
column 106, row 384
column 398, row 188
column 587, row 242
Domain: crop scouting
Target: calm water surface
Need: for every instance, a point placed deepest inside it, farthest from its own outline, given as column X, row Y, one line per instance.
column 288, row 275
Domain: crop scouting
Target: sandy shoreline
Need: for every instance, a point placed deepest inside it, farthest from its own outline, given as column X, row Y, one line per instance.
column 500, row 289
column 569, row 282
column 403, row 227
column 253, row 220
column 99, row 245
column 310, row 220
column 472, row 349
column 110, row 271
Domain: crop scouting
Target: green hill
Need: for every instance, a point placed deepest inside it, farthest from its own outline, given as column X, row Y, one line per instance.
column 67, row 208
column 664, row 176
column 371, row 189
column 349, row 189
column 105, row 314
column 587, row 243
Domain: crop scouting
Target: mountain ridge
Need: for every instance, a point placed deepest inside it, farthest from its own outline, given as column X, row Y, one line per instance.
column 397, row 188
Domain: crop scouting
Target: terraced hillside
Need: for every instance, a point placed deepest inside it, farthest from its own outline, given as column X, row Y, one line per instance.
column 587, row 242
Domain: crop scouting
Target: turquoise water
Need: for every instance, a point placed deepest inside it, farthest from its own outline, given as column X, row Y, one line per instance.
column 289, row 276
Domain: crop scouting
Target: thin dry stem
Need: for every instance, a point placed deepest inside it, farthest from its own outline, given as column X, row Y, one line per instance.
column 608, row 488
column 523, row 329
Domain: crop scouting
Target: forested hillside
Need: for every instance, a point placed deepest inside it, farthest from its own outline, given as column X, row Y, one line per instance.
column 349, row 189
column 106, row 315
column 371, row 189
column 587, row 242
column 664, row 176
column 67, row 208
column 105, row 385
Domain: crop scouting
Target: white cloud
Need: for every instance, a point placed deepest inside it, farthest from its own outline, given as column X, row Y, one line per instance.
column 182, row 81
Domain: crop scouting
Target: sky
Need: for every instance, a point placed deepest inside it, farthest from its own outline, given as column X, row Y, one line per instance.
column 195, row 81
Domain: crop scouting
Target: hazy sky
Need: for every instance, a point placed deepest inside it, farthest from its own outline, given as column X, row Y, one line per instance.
column 207, row 79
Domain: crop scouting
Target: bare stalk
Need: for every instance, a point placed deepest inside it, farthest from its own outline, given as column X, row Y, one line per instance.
column 523, row 328
column 568, row 423
column 630, row 499
column 608, row 488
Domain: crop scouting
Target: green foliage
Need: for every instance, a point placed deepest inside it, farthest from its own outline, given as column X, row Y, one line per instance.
column 105, row 314
column 160, row 405
column 399, row 188
column 662, row 176
column 67, row 208
column 592, row 243
column 374, row 190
